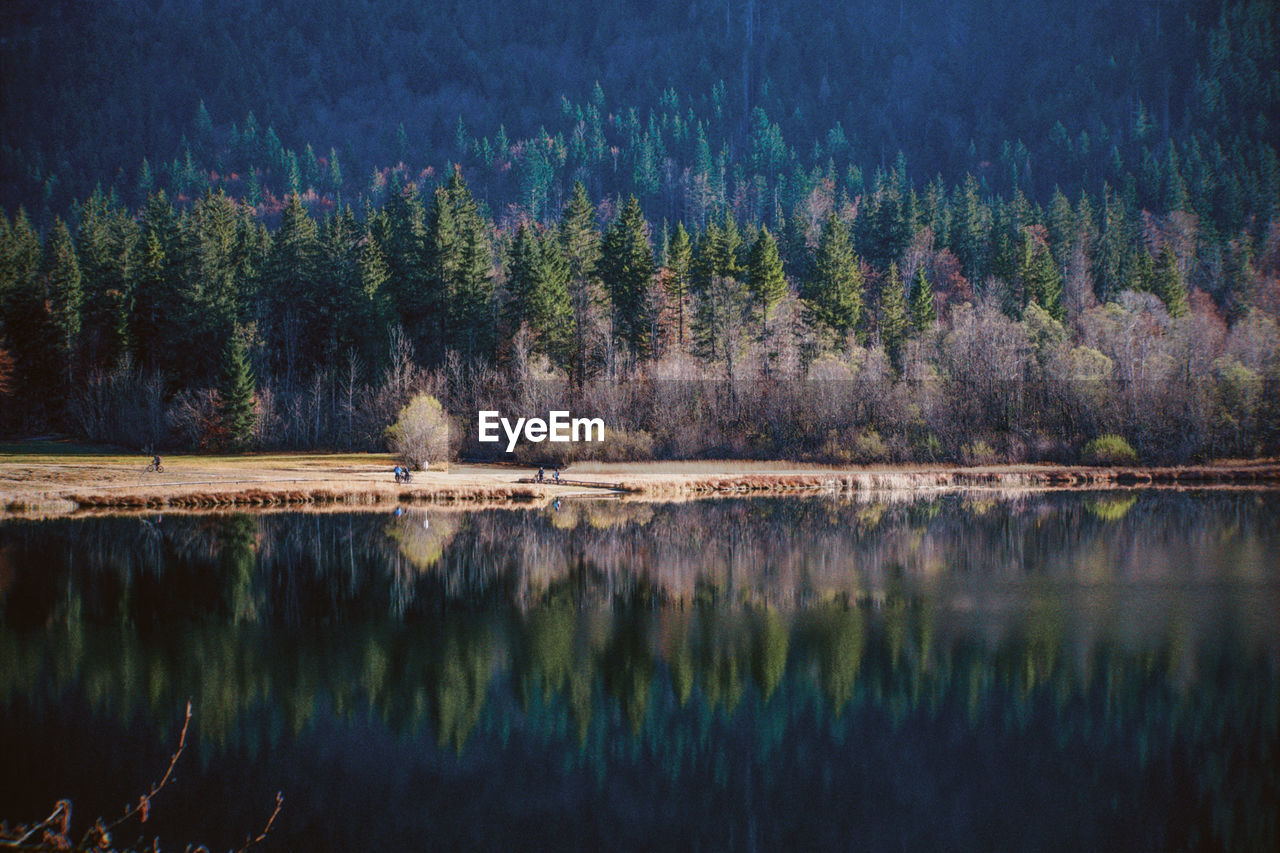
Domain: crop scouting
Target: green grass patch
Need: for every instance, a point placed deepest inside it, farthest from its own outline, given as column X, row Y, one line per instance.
column 53, row 448
column 1110, row 449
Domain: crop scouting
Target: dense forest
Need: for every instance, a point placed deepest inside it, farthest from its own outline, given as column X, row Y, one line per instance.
column 886, row 231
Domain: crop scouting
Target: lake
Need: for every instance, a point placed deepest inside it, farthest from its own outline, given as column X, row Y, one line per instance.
column 967, row 671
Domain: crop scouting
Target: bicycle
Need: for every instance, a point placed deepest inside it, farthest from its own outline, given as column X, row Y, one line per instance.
column 154, row 466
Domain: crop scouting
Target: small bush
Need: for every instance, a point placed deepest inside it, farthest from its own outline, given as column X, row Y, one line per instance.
column 855, row 446
column 979, row 453
column 869, row 447
column 1110, row 449
column 421, row 434
column 927, row 447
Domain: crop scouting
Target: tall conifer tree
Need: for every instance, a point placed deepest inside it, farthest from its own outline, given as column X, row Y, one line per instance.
column 1168, row 284
column 580, row 240
column 460, row 263
column 893, row 315
column 833, row 296
column 679, row 256
column 236, row 390
column 539, row 293
column 63, row 295
column 626, row 268
column 765, row 278
column 291, row 299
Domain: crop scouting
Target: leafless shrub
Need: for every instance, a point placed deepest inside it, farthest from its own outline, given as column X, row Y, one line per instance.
column 193, row 416
column 121, row 406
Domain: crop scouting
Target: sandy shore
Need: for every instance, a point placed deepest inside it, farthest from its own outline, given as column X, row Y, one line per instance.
column 50, row 482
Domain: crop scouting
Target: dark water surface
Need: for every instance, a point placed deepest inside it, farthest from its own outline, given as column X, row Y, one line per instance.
column 969, row 672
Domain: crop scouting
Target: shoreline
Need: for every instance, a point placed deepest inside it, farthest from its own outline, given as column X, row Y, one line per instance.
column 46, row 485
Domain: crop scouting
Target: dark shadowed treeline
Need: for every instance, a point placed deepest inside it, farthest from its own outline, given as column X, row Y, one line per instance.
column 684, row 105
column 708, row 280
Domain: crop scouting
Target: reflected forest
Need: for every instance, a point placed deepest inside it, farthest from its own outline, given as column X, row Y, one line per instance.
column 1117, row 650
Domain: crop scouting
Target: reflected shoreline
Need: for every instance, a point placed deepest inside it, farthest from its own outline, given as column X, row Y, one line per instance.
column 40, row 489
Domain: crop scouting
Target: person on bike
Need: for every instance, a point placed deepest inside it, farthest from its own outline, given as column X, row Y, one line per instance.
column 541, row 476
column 155, row 463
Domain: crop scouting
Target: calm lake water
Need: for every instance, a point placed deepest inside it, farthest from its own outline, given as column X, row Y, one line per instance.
column 1083, row 671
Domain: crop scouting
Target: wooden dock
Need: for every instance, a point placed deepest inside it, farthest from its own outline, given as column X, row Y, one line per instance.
column 564, row 481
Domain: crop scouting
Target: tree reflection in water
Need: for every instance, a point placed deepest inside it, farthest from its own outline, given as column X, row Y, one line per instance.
column 754, row 668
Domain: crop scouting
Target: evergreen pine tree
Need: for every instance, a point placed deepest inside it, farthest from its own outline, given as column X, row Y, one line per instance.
column 719, row 253
column 794, row 248
column 236, row 389
column 24, row 317
column 646, row 175
column 293, row 173
column 893, row 315
column 883, row 232
column 539, row 291
column 626, row 268
column 212, row 299
column 203, row 125
column 146, row 181
column 335, row 172
column 970, row 226
column 765, row 278
column 93, row 251
column 923, row 312
column 146, row 315
column 580, row 240
column 1042, row 280
column 253, row 190
column 522, row 263
column 63, row 295
column 310, row 168
column 459, row 267
column 416, row 296
column 371, row 310
column 705, row 265
column 833, row 296
column 1141, row 271
column 1061, row 228
column 1168, row 284
column 293, row 323
column 338, row 281
column 1113, row 245
column 679, row 257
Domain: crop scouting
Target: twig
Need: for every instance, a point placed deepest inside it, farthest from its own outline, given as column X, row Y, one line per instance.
column 62, row 809
column 267, row 828
column 55, row 830
column 143, row 806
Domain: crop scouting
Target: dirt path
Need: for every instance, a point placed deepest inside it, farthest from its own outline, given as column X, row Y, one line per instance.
column 48, row 482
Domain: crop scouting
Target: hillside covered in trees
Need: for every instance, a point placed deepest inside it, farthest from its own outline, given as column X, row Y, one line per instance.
column 879, row 231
